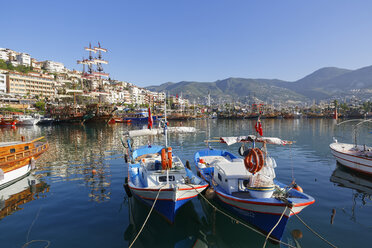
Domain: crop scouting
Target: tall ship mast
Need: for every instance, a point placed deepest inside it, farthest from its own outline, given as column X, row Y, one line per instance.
column 94, row 73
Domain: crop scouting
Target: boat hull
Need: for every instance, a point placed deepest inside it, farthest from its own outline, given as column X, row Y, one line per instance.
column 15, row 175
column 262, row 215
column 350, row 159
column 169, row 199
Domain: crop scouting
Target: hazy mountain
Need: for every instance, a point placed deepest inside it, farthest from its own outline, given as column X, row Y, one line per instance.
column 312, row 86
column 322, row 84
column 232, row 88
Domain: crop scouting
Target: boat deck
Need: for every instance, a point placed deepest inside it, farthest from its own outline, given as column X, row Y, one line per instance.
column 12, row 143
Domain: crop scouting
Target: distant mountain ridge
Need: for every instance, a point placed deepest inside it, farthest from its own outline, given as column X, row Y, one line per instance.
column 324, row 83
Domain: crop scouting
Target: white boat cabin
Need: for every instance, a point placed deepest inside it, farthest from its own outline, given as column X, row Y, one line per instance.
column 151, row 173
column 232, row 176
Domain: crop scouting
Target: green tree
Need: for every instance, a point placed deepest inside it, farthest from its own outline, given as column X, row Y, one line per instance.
column 40, row 105
column 3, row 64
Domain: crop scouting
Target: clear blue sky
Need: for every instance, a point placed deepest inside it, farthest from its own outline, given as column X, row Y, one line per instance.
column 151, row 42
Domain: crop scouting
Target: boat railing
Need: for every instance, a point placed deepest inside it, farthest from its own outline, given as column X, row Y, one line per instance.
column 23, row 154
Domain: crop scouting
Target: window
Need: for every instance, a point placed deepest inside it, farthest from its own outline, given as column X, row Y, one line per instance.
column 219, row 177
column 26, row 147
column 12, row 150
column 164, row 178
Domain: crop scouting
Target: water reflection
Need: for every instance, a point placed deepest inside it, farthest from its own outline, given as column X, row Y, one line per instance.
column 21, row 192
column 221, row 231
column 361, row 186
column 76, row 153
column 158, row 232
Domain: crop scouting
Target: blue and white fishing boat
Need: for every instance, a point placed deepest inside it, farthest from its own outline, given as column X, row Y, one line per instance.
column 159, row 178
column 246, row 186
column 155, row 173
column 139, row 116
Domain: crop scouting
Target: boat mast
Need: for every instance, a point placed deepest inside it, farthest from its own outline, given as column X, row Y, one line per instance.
column 165, row 119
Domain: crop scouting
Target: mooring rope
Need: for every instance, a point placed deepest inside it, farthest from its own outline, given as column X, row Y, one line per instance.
column 242, row 223
column 148, row 216
column 29, row 230
column 38, row 240
column 272, row 229
column 317, row 234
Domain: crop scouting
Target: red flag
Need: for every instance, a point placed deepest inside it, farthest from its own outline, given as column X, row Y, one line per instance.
column 258, row 127
column 149, row 125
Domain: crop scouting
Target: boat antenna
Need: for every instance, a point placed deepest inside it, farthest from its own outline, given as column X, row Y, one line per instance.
column 165, row 119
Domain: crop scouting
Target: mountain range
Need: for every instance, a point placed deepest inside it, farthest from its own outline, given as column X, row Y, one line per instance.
column 323, row 84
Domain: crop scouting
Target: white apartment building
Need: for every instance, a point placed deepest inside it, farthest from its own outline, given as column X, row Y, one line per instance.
column 3, row 54
column 52, row 66
column 2, row 83
column 24, row 59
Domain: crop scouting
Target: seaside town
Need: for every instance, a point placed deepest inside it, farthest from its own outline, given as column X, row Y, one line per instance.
column 186, row 124
column 59, row 94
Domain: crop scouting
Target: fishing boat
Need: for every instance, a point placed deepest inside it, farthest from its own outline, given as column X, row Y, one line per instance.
column 98, row 113
column 156, row 174
column 8, row 122
column 26, row 120
column 141, row 115
column 354, row 156
column 18, row 158
column 158, row 177
column 247, row 186
column 44, row 120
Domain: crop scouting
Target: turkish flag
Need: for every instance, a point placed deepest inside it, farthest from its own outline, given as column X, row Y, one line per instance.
column 150, row 121
column 258, row 127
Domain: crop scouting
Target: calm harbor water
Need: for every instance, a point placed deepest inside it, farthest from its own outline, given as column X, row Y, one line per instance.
column 70, row 206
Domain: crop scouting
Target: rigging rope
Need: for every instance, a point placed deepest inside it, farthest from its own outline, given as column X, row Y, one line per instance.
column 148, row 216
column 317, row 234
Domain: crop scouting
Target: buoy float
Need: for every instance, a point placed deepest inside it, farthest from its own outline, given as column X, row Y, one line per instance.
column 210, row 193
column 297, row 187
column 94, row 171
column 296, row 234
column 164, row 160
column 169, row 157
column 201, row 161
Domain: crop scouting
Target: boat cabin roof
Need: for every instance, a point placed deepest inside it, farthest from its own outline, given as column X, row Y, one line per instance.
column 234, row 169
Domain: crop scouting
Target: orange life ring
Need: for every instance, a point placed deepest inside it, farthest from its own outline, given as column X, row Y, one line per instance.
column 251, row 160
column 254, row 161
column 169, row 157
column 261, row 159
column 163, row 159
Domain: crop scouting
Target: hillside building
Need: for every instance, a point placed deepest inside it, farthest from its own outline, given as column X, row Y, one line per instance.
column 23, row 59
column 2, row 83
column 31, row 83
column 52, row 66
